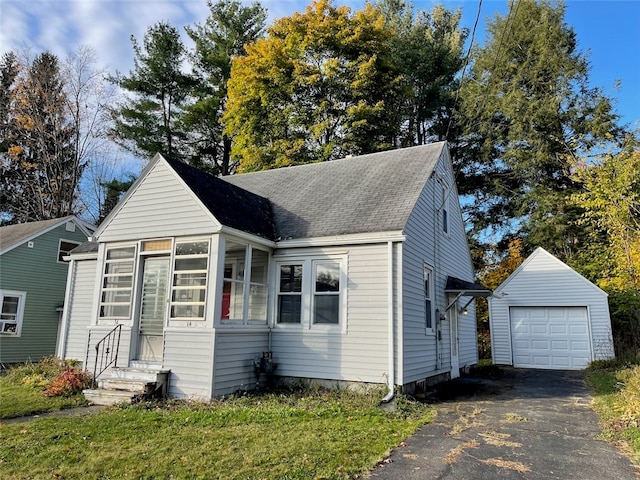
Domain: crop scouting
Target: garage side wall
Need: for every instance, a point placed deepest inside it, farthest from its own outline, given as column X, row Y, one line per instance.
column 544, row 281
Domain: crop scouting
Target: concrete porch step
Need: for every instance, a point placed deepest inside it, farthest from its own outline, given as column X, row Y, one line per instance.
column 136, row 373
column 128, row 385
column 109, row 397
column 125, row 385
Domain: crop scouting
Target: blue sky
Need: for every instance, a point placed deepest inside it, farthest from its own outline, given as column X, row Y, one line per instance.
column 609, row 30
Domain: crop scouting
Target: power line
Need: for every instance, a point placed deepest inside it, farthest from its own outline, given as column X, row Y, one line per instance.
column 464, row 68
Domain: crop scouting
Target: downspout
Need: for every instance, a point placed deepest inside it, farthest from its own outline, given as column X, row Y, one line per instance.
column 391, row 378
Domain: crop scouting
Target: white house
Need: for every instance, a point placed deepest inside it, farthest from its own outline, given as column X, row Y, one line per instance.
column 353, row 270
column 546, row 315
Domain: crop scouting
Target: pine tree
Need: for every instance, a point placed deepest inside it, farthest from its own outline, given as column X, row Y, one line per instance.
column 528, row 111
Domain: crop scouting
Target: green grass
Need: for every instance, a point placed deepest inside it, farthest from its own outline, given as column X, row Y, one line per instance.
column 314, row 434
column 617, row 402
column 22, row 389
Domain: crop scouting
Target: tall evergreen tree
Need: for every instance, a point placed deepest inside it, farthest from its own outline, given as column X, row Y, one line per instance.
column 427, row 47
column 528, row 111
column 222, row 37
column 39, row 170
column 148, row 120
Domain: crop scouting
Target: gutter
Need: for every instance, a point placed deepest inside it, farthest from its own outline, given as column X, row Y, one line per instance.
column 391, row 378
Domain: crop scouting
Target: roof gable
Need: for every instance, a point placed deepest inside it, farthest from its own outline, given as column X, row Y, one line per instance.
column 364, row 194
column 11, row 236
column 232, row 206
column 539, row 257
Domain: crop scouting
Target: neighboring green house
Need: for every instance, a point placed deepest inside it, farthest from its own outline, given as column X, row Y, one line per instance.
column 33, row 277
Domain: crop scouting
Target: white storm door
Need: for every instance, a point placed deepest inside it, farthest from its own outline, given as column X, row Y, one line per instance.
column 153, row 308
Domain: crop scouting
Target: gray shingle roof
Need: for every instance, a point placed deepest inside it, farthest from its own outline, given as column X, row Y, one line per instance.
column 368, row 193
column 11, row 235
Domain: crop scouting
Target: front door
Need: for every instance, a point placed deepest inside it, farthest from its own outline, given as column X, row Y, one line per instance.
column 153, row 308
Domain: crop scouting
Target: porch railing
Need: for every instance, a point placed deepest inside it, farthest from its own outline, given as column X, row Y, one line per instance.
column 107, row 352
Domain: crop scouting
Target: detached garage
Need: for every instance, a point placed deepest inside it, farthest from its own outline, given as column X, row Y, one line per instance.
column 546, row 315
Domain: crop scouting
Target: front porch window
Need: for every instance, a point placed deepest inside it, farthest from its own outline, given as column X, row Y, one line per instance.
column 189, row 286
column 117, row 283
column 245, row 288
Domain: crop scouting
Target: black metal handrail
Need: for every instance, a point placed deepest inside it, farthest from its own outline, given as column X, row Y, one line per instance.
column 107, row 352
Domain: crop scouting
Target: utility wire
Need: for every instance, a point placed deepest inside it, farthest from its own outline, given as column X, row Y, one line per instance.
column 464, row 68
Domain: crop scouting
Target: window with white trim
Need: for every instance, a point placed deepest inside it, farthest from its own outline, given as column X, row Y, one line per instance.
column 444, row 208
column 117, row 283
column 429, row 292
column 11, row 312
column 245, row 284
column 289, row 293
column 326, row 292
column 189, row 285
column 64, row 247
column 311, row 293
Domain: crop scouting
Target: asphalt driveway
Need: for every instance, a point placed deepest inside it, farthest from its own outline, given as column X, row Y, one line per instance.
column 524, row 424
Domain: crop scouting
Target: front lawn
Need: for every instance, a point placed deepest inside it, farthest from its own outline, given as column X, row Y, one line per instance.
column 29, row 388
column 617, row 402
column 312, row 434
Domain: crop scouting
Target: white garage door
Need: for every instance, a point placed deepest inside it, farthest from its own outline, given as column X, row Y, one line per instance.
column 550, row 337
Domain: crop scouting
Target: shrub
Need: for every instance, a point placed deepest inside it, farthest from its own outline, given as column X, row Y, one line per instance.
column 628, row 404
column 35, row 380
column 68, row 382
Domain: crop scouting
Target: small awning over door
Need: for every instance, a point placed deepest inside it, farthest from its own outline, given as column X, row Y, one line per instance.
column 462, row 288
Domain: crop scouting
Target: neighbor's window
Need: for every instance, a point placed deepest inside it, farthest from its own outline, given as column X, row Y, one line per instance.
column 11, row 313
column 117, row 283
column 290, row 293
column 189, row 286
column 64, row 247
column 428, row 298
column 326, row 293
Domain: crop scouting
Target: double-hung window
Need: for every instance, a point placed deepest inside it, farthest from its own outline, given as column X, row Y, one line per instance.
column 444, row 208
column 11, row 312
column 290, row 293
column 429, row 293
column 326, row 292
column 117, row 283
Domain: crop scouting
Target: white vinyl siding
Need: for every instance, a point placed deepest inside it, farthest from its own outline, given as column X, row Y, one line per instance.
column 189, row 355
column 359, row 352
column 425, row 355
column 79, row 302
column 161, row 206
column 236, row 352
column 544, row 281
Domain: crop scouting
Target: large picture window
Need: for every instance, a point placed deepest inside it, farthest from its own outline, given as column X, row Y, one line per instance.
column 189, row 286
column 11, row 312
column 117, row 283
